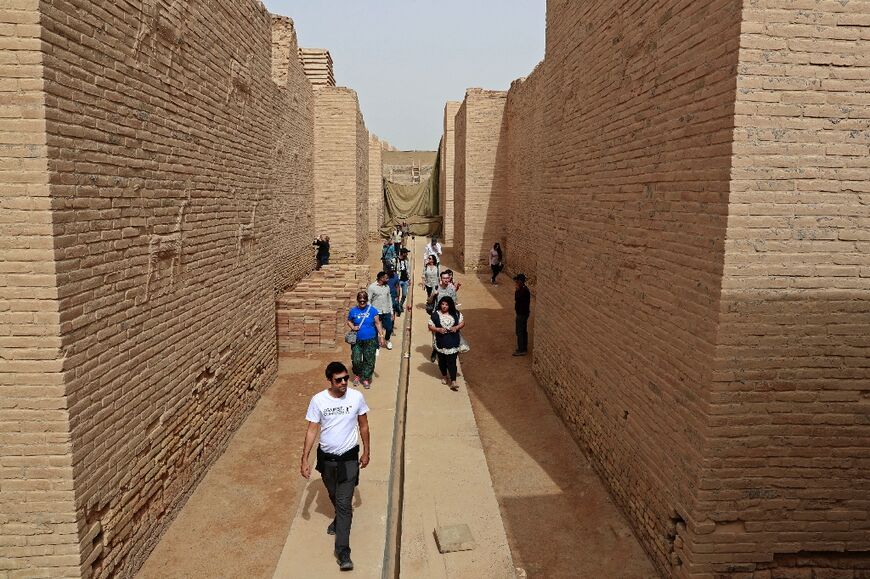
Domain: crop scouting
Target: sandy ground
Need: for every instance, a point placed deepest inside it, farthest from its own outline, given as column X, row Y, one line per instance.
column 235, row 523
column 560, row 521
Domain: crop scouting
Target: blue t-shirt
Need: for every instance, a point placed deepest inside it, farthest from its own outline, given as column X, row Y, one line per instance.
column 367, row 329
column 393, row 284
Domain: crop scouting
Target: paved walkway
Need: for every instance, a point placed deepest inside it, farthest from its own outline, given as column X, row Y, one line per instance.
column 447, row 481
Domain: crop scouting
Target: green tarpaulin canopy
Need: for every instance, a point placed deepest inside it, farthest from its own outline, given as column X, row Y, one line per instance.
column 416, row 205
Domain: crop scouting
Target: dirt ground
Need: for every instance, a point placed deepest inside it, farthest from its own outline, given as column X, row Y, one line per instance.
column 236, row 522
column 559, row 519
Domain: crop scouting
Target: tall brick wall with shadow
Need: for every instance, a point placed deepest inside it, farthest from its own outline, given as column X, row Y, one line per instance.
column 525, row 222
column 639, row 113
column 689, row 183
column 292, row 160
column 480, row 203
column 785, row 481
column 341, row 185
column 169, row 191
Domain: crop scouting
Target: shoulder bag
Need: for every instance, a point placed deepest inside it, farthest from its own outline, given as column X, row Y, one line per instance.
column 350, row 336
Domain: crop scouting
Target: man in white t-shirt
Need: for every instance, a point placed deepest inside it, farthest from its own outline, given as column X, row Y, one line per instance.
column 336, row 413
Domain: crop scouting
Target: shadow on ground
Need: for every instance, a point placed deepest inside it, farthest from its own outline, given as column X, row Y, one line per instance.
column 558, row 515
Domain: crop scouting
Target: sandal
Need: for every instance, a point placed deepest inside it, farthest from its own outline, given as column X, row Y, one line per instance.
column 454, row 386
column 367, row 384
column 444, row 379
column 356, row 381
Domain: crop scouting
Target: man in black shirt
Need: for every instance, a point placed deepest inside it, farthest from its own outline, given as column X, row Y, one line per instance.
column 522, row 303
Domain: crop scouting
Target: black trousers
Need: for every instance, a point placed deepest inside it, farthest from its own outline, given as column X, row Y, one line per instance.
column 522, row 333
column 340, row 479
column 387, row 325
column 496, row 269
column 447, row 365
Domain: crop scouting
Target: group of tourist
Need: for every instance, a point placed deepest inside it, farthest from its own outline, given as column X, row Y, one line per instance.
column 445, row 323
column 340, row 415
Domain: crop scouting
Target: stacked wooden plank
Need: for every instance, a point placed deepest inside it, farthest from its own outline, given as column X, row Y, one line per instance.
column 317, row 64
column 311, row 316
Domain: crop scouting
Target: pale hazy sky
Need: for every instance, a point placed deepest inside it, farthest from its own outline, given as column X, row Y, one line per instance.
column 406, row 58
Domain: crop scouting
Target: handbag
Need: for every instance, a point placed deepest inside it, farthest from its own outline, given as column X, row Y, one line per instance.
column 350, row 336
column 463, row 344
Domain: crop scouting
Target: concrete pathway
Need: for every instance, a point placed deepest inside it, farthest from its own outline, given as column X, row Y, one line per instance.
column 447, row 481
column 308, row 550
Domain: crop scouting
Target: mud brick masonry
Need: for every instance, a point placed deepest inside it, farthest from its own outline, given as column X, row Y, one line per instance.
column 688, row 184
column 445, row 181
column 157, row 186
column 341, row 178
column 311, row 316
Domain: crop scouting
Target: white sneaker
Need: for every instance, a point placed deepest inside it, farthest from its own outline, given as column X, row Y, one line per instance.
column 389, row 345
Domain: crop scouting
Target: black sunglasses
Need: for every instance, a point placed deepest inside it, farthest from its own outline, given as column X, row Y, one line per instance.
column 344, row 378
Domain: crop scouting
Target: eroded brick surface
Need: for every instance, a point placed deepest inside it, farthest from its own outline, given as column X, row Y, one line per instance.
column 158, row 173
column 311, row 317
column 376, row 187
column 341, row 181
column 38, row 532
column 480, row 202
column 445, row 182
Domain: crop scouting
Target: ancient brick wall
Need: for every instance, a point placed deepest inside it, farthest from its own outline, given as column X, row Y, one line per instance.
column 526, row 221
column 445, row 183
column 785, row 480
column 362, row 189
column 484, row 206
column 376, row 187
column 459, row 140
column 638, row 110
column 340, row 180
column 38, row 532
column 173, row 225
column 292, row 159
column 699, row 180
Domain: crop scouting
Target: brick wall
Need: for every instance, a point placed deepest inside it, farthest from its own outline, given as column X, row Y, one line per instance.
column 445, row 183
column 174, row 221
column 376, row 187
column 484, row 150
column 292, row 160
column 38, row 532
column 341, row 184
column 526, row 221
column 459, row 141
column 362, row 189
column 636, row 164
column 785, row 480
column 699, row 181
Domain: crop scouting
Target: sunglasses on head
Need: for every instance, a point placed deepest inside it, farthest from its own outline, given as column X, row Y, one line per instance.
column 344, row 378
